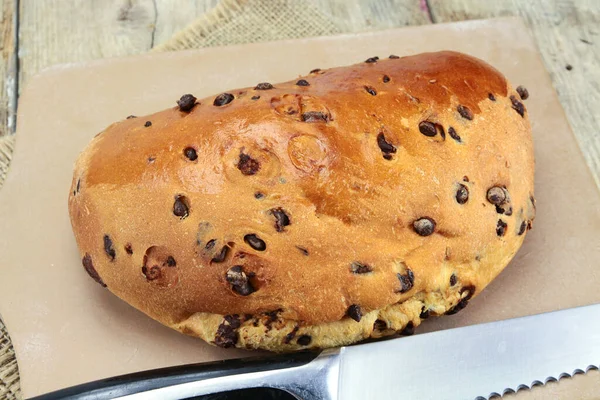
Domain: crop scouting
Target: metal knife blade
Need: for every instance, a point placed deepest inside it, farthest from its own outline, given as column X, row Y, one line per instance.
column 474, row 362
column 467, row 363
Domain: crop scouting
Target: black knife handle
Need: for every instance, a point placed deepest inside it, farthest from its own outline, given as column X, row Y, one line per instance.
column 158, row 378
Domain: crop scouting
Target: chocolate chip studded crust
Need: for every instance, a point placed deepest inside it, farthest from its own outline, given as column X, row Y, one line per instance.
column 288, row 216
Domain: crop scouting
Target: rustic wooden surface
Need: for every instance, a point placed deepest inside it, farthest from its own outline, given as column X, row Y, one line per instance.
column 64, row 31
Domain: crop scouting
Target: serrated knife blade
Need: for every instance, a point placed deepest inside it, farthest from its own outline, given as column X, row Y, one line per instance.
column 473, row 362
column 476, row 361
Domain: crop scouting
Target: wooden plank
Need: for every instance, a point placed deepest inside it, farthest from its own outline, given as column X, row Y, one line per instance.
column 66, row 31
column 8, row 65
column 362, row 15
column 567, row 34
column 9, row 80
column 173, row 16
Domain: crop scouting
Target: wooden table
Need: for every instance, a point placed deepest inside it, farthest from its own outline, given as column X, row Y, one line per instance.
column 35, row 34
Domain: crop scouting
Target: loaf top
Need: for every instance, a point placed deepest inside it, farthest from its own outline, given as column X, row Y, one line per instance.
column 354, row 186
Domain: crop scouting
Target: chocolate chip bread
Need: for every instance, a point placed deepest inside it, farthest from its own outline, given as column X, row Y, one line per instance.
column 347, row 204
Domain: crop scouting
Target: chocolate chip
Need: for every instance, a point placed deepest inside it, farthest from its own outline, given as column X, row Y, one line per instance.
column 210, row 244
column 303, row 250
column 151, row 273
column 171, row 261
column 219, row 258
column 532, row 200
column 108, row 248
column 465, row 112
column 406, row 281
column 89, row 268
column 302, row 82
column 428, row 128
column 517, row 106
column 371, row 90
column 151, row 160
column 379, row 325
column 354, row 312
column 314, row 71
column 496, row 195
column 290, row 336
column 462, row 194
column 263, row 86
column 459, row 306
column 78, row 185
column 408, row 330
column 222, row 99
column 190, row 153
column 465, row 178
column 386, row 147
column 255, row 97
column 248, row 165
column 148, row 124
column 522, row 228
column 281, row 218
column 128, row 249
column 569, row 67
column 372, row 60
column 424, row 313
column 464, row 301
column 454, row 135
column 453, row 280
column 501, row 228
column 239, row 280
column 272, row 316
column 491, row 96
column 424, row 226
column 386, row 79
column 393, row 56
column 258, row 195
column 227, row 335
column 523, row 92
column 360, row 268
column 186, row 102
column 255, row 242
column 181, row 207
column 314, row 116
column 470, row 291
column 131, row 116
column 304, row 340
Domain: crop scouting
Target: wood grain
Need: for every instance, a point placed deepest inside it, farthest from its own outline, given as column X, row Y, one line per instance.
column 66, row 31
column 173, row 16
column 363, row 15
column 9, row 80
column 567, row 34
column 8, row 66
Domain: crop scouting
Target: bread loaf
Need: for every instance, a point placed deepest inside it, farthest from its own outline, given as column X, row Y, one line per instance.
column 349, row 203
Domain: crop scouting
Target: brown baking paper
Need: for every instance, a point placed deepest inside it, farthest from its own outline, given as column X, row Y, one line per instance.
column 66, row 329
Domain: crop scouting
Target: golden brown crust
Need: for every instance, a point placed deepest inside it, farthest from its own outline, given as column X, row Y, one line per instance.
column 367, row 188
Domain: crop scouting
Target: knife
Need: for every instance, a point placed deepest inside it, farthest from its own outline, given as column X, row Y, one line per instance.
column 474, row 362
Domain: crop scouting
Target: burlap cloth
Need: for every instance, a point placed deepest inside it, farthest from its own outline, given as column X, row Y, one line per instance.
column 230, row 22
